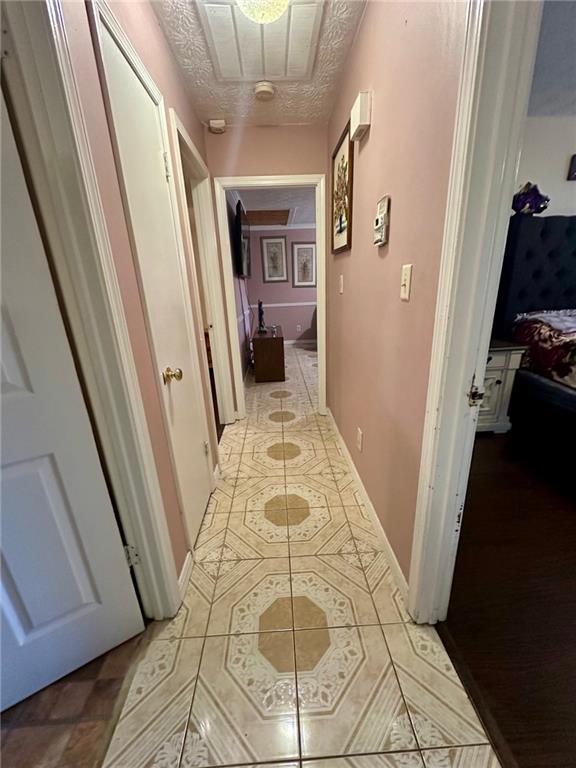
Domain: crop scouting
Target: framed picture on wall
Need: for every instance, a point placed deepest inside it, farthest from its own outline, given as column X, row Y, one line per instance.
column 342, row 178
column 304, row 265
column 274, row 267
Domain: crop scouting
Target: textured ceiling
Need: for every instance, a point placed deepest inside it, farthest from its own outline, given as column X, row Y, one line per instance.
column 300, row 201
column 307, row 99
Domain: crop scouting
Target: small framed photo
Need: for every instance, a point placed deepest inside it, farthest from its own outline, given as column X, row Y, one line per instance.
column 274, row 268
column 342, row 178
column 304, row 265
column 572, row 169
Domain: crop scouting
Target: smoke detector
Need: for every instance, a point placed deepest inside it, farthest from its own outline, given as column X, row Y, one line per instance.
column 217, row 126
column 264, row 90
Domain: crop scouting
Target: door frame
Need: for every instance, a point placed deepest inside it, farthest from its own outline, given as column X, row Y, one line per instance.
column 208, row 257
column 318, row 182
column 104, row 17
column 499, row 56
column 43, row 94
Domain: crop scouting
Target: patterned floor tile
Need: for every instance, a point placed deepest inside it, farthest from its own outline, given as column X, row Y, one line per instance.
column 397, row 760
column 262, row 464
column 221, row 498
column 266, row 493
column 192, row 618
column 349, row 698
column 307, row 462
column 330, row 591
column 270, row 444
column 439, row 707
column 364, row 533
column 461, row 757
column 252, row 596
column 256, row 440
column 210, row 539
column 152, row 724
column 256, row 533
column 302, row 422
column 318, row 530
column 311, row 491
column 244, row 708
column 229, row 466
column 386, row 595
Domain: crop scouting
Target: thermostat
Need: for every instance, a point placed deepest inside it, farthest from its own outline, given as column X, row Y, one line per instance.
column 382, row 221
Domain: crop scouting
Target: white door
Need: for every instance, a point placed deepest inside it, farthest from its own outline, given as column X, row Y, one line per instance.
column 67, row 595
column 139, row 127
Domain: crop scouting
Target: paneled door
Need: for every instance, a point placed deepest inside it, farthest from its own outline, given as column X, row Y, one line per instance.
column 139, row 128
column 67, row 595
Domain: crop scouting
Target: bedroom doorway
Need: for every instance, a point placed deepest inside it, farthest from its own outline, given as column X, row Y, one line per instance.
column 494, row 554
column 251, row 240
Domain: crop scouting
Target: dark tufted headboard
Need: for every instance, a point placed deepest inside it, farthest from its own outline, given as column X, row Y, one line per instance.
column 539, row 270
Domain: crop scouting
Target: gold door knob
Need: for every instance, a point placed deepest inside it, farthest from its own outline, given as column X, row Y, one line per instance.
column 168, row 374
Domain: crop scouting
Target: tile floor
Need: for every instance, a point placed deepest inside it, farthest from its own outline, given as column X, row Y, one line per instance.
column 293, row 643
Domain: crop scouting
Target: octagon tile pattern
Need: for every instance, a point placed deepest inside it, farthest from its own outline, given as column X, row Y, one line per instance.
column 293, row 646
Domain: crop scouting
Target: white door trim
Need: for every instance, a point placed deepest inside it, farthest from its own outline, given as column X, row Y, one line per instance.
column 44, row 95
column 221, row 185
column 104, row 16
column 500, row 51
column 209, row 263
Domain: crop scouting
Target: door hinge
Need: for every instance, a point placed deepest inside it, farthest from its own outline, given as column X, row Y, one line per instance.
column 167, row 167
column 132, row 556
column 475, row 395
column 206, row 448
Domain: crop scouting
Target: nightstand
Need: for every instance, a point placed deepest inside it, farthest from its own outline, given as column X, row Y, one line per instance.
column 269, row 355
column 504, row 359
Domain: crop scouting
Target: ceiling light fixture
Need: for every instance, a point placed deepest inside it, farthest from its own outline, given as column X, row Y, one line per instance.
column 263, row 11
column 264, row 90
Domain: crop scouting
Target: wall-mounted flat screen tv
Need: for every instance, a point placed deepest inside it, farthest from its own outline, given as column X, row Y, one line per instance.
column 240, row 241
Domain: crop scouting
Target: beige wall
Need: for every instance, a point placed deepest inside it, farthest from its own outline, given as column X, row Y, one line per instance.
column 140, row 25
column 409, row 56
column 272, row 150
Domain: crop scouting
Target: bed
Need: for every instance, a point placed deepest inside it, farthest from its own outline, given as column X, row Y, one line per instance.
column 536, row 306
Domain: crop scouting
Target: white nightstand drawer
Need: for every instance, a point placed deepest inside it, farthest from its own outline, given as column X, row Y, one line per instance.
column 497, row 359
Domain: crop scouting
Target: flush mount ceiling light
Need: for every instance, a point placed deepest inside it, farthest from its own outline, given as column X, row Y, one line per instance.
column 263, row 11
column 264, row 90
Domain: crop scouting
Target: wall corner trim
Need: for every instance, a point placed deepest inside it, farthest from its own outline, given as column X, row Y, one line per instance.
column 185, row 574
column 397, row 572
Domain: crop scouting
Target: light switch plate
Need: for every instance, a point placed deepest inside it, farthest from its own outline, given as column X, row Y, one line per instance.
column 406, row 282
column 341, row 284
column 359, row 439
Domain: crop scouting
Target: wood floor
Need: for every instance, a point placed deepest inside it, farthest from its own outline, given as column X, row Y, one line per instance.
column 511, row 628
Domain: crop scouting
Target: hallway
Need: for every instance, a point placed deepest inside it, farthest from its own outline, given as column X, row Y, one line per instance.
column 293, row 642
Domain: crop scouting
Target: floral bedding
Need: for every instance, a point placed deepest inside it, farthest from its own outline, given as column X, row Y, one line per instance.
column 551, row 340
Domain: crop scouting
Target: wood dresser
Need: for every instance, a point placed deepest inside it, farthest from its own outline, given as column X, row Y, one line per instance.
column 269, row 355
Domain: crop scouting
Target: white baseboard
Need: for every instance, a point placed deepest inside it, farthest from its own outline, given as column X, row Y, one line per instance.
column 302, row 343
column 397, row 573
column 185, row 573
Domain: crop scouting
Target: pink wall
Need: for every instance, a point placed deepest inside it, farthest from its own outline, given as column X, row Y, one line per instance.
column 269, row 150
column 283, row 293
column 409, row 56
column 141, row 26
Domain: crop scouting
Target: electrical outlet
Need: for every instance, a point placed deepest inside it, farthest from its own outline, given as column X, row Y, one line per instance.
column 298, row 328
column 359, row 439
column 341, row 284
